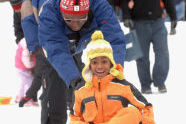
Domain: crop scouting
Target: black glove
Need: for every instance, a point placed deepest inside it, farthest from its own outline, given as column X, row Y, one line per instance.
column 18, row 31
column 129, row 23
column 23, row 101
column 75, row 82
column 15, row 2
column 173, row 27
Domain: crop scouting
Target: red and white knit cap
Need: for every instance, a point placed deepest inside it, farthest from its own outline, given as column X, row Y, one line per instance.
column 75, row 7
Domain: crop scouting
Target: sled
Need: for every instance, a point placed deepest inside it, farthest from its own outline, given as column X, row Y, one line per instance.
column 5, row 100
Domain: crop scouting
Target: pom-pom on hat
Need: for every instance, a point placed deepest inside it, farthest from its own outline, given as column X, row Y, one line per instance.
column 75, row 7
column 98, row 47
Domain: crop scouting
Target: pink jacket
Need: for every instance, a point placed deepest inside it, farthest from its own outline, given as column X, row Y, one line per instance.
column 23, row 59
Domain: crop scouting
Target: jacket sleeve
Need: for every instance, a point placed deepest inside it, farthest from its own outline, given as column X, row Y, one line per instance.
column 30, row 29
column 35, row 3
column 137, row 93
column 109, row 25
column 170, row 8
column 129, row 95
column 75, row 114
column 53, row 40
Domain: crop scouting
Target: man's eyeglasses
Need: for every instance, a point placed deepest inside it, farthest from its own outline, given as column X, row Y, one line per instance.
column 76, row 20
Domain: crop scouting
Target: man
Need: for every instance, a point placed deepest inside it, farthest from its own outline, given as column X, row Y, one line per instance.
column 146, row 17
column 53, row 98
column 65, row 28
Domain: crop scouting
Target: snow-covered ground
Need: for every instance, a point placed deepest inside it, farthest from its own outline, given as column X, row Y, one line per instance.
column 169, row 108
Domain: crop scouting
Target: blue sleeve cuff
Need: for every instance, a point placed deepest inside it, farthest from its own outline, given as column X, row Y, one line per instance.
column 30, row 29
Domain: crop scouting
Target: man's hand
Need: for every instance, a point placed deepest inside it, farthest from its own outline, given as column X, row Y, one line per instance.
column 129, row 23
column 173, row 27
column 75, row 82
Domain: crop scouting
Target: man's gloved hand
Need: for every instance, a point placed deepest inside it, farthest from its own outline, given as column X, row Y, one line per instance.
column 129, row 23
column 75, row 82
column 173, row 27
column 23, row 101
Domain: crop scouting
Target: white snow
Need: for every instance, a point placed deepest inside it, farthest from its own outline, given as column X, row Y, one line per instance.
column 169, row 108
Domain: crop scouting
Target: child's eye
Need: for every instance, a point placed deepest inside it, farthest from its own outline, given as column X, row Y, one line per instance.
column 104, row 62
column 94, row 62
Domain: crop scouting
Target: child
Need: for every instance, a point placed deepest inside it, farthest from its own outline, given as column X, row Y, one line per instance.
column 105, row 95
column 24, row 64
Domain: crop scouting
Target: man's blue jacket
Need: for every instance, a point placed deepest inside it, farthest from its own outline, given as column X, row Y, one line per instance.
column 30, row 27
column 53, row 38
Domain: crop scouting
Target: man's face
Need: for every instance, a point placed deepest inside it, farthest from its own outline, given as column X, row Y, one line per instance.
column 75, row 22
column 100, row 66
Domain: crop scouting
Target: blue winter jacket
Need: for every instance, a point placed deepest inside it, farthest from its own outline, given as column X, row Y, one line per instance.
column 38, row 3
column 53, row 36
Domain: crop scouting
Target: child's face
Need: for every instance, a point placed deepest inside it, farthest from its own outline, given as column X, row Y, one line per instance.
column 100, row 66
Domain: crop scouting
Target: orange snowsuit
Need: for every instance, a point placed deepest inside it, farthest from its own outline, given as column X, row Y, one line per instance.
column 107, row 103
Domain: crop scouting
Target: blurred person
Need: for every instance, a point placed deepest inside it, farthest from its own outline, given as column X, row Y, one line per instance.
column 53, row 105
column 16, row 5
column 24, row 64
column 180, row 12
column 104, row 86
column 146, row 17
column 180, row 9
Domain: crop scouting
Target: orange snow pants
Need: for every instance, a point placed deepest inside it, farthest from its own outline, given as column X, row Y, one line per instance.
column 129, row 115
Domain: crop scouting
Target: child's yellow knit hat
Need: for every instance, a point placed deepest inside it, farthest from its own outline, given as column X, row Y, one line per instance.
column 98, row 47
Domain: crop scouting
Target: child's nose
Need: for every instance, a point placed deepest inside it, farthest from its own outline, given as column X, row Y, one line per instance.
column 100, row 65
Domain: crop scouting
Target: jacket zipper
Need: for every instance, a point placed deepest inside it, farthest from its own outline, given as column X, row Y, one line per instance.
column 95, row 101
column 101, row 99
column 99, row 85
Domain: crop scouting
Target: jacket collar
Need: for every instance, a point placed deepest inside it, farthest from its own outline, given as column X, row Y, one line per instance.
column 101, row 83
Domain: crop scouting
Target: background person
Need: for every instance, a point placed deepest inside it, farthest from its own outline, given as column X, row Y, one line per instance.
column 146, row 17
column 24, row 64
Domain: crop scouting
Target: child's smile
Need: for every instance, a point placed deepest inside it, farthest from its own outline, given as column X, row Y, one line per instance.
column 100, row 66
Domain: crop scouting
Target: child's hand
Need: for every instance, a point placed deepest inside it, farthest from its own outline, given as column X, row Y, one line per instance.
column 75, row 82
